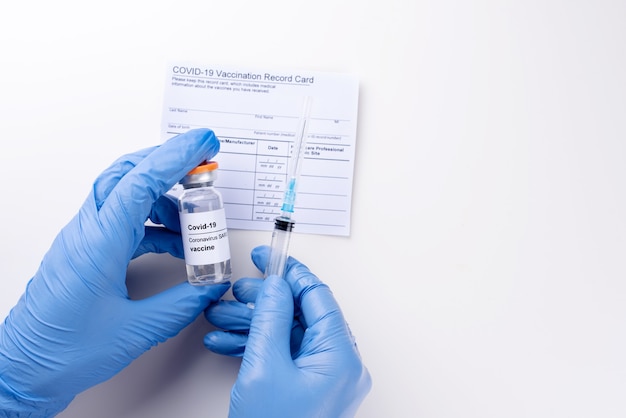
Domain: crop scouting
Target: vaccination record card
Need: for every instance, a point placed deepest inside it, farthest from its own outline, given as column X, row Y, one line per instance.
column 255, row 112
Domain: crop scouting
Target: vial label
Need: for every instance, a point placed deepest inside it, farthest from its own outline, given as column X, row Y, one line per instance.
column 205, row 238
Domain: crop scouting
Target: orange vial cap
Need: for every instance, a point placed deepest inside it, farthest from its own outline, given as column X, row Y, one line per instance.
column 204, row 167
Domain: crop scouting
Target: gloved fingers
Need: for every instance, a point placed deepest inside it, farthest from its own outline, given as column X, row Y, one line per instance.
column 230, row 315
column 226, row 343
column 108, row 179
column 160, row 240
column 302, row 281
column 234, row 343
column 270, row 329
column 235, row 317
column 129, row 203
column 246, row 290
column 165, row 314
column 165, row 212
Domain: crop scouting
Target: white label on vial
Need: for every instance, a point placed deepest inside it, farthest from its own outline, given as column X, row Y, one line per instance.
column 205, row 238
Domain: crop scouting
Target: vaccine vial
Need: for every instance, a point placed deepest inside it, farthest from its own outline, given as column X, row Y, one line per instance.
column 203, row 227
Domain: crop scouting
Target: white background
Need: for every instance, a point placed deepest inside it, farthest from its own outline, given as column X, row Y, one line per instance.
column 484, row 276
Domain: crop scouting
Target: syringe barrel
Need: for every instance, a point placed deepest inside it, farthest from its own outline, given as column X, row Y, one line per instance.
column 280, row 247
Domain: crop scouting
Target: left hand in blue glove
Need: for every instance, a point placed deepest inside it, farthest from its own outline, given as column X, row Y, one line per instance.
column 75, row 326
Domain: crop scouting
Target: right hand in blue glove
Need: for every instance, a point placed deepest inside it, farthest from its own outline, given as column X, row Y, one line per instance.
column 322, row 377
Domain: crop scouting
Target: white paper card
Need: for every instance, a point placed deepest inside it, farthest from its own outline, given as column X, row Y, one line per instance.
column 254, row 112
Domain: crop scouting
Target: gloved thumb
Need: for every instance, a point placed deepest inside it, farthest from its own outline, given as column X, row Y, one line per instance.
column 267, row 362
column 270, row 327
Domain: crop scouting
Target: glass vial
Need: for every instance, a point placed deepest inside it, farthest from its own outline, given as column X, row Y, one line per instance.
column 203, row 227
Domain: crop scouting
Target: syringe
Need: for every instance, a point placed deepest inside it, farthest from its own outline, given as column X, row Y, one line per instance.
column 284, row 223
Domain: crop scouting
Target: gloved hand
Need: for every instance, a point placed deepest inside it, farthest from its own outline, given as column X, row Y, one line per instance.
column 75, row 325
column 320, row 375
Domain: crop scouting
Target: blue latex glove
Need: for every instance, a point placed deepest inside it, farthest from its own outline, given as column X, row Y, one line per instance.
column 322, row 377
column 75, row 326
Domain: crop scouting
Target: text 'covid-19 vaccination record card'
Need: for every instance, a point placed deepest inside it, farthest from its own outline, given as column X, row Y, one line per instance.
column 255, row 113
